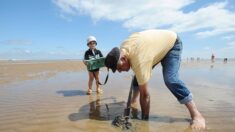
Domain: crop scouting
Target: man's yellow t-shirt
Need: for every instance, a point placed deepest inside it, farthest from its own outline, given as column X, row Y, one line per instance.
column 145, row 49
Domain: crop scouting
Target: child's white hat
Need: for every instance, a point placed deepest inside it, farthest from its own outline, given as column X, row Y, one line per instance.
column 91, row 38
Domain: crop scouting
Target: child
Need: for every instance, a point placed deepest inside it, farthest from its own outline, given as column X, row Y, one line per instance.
column 92, row 52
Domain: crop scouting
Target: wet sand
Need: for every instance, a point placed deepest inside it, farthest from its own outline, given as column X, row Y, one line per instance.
column 51, row 96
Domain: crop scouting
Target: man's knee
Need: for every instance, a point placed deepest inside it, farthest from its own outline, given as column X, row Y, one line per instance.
column 171, row 81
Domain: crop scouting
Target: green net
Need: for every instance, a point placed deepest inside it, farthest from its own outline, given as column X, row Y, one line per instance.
column 93, row 64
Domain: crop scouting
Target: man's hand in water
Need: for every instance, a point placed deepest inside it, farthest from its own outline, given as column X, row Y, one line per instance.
column 144, row 101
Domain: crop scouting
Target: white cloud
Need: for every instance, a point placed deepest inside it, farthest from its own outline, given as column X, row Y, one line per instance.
column 16, row 42
column 52, row 52
column 207, row 48
column 27, row 51
column 228, row 50
column 231, row 43
column 228, row 37
column 211, row 20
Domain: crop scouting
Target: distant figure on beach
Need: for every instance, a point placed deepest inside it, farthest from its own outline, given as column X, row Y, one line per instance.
column 91, row 53
column 141, row 52
column 212, row 66
column 212, row 58
column 225, row 60
column 192, row 59
column 198, row 59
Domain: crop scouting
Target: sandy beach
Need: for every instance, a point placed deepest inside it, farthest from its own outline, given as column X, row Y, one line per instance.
column 50, row 96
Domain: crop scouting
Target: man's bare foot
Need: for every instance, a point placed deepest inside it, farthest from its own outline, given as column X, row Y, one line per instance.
column 198, row 123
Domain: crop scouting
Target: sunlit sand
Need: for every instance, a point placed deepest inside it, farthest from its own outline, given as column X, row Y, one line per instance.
column 51, row 96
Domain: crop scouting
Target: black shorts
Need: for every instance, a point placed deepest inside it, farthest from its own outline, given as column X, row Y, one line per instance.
column 95, row 70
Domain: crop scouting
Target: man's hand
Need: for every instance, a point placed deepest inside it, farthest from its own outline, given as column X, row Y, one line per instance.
column 144, row 101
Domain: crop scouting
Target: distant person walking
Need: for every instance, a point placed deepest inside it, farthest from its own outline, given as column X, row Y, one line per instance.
column 212, row 58
column 225, row 60
column 92, row 53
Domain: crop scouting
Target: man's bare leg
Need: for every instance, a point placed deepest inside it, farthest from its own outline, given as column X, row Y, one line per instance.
column 198, row 121
column 135, row 96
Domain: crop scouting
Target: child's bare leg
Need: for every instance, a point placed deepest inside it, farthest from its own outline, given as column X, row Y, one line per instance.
column 91, row 78
column 98, row 89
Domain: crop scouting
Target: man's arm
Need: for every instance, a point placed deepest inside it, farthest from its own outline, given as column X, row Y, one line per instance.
column 144, row 101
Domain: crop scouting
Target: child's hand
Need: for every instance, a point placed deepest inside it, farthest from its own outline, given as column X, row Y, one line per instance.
column 85, row 62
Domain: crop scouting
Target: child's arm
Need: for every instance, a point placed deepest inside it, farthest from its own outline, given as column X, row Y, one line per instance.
column 84, row 62
column 100, row 54
column 86, row 57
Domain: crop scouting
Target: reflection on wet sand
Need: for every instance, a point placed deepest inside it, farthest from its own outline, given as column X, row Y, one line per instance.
column 168, row 119
column 70, row 93
column 95, row 109
column 59, row 102
column 102, row 109
column 106, row 109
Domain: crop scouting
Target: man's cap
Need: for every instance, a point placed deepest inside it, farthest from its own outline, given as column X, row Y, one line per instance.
column 112, row 58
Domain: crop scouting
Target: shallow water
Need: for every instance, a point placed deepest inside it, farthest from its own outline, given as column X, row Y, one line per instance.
column 59, row 102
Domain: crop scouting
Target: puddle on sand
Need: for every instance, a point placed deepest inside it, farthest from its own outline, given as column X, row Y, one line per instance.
column 102, row 109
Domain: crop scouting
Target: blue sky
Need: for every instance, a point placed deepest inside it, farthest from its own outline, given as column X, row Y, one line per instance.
column 58, row 29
